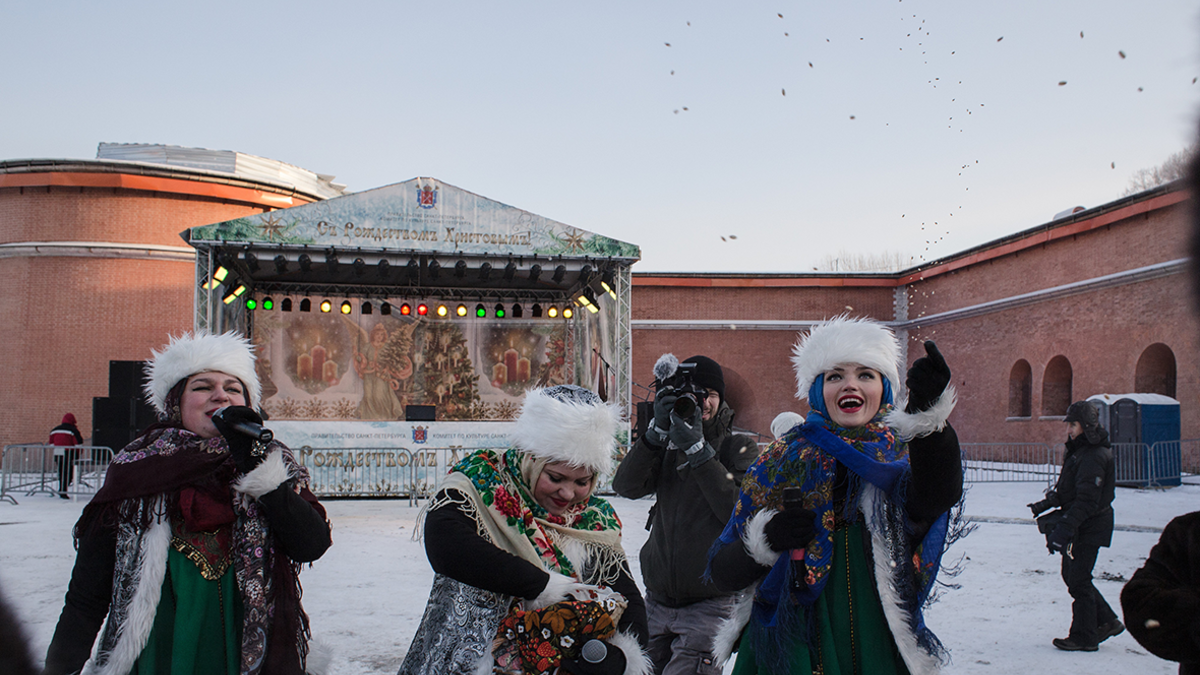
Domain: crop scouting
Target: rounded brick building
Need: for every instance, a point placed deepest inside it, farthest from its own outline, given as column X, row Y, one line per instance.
column 94, row 270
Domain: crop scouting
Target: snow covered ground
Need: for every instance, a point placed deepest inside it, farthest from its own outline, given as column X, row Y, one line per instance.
column 367, row 594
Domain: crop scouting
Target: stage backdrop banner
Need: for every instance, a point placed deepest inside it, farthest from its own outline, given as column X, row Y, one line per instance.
column 384, row 459
column 316, row 366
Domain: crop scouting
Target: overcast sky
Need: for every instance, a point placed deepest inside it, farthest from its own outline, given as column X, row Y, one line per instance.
column 917, row 127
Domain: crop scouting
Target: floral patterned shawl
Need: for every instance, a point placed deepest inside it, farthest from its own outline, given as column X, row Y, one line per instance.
column 498, row 493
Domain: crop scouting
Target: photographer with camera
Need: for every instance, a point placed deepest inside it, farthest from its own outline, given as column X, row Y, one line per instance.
column 690, row 459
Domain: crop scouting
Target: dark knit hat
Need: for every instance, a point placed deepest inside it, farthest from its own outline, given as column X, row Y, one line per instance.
column 1083, row 412
column 708, row 374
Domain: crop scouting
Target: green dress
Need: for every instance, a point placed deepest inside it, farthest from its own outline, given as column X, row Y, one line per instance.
column 853, row 636
column 198, row 626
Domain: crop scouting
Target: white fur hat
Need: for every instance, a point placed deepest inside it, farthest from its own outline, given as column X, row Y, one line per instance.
column 189, row 354
column 568, row 424
column 845, row 340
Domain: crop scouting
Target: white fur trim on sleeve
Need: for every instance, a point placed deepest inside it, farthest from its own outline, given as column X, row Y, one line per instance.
column 730, row 629
column 265, row 477
column 912, row 425
column 556, row 590
column 637, row 662
column 755, row 538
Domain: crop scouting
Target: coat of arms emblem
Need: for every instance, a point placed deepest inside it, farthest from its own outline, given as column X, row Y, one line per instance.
column 427, row 196
column 420, row 434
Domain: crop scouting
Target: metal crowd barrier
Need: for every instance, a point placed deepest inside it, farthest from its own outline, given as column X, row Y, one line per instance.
column 1009, row 463
column 1137, row 464
column 32, row 468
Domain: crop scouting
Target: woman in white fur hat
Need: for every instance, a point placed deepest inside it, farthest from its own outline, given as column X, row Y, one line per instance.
column 189, row 554
column 530, row 573
column 841, row 524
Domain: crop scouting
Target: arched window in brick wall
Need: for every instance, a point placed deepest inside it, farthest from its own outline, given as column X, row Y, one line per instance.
column 1056, row 387
column 1020, row 390
column 1155, row 371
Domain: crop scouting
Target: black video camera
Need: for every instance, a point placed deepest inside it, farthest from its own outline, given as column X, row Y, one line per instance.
column 678, row 376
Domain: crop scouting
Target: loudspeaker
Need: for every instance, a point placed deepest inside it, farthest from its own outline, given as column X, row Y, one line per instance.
column 119, row 417
column 420, row 413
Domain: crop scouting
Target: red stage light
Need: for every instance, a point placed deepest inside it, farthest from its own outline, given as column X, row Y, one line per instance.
column 422, row 309
column 406, row 309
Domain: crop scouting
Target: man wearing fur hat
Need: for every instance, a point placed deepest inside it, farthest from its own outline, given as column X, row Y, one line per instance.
column 1084, row 493
column 694, row 466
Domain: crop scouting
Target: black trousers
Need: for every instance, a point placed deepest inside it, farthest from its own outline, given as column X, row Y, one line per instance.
column 66, row 469
column 1089, row 608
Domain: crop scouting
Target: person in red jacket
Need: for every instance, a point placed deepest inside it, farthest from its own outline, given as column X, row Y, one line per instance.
column 63, row 436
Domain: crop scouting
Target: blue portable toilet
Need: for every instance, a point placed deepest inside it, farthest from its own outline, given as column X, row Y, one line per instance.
column 1144, row 430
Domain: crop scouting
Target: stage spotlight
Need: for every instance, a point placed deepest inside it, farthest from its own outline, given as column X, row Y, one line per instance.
column 305, row 262
column 460, row 269
column 305, row 305
column 583, row 300
column 510, row 271
column 536, row 311
column 331, row 261
column 560, row 273
column 589, row 300
column 434, row 268
column 384, row 267
column 286, row 305
column 443, row 311
column 268, row 304
column 280, row 264
column 385, row 308
column 480, row 311
column 414, row 269
column 346, row 307
column 251, row 261
column 237, row 291
column 534, row 272
column 568, row 312
column 405, row 309
column 608, row 281
column 422, row 309
column 360, row 267
column 485, row 271
column 218, row 276
column 585, row 273
column 552, row 312
column 517, row 311
column 251, row 304
column 366, row 308
column 326, row 306
column 461, row 310
column 499, row 311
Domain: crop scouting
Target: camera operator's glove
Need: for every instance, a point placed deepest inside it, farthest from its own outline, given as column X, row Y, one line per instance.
column 927, row 379
column 664, row 401
column 1059, row 540
column 791, row 529
column 613, row 662
column 688, row 435
column 1039, row 507
column 241, row 446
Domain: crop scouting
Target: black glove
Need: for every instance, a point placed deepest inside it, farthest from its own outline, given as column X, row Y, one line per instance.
column 927, row 379
column 791, row 529
column 241, row 446
column 664, row 401
column 613, row 662
column 1059, row 540
column 1039, row 507
column 688, row 436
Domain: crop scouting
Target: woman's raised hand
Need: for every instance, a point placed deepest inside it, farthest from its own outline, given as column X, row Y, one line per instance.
column 927, row 379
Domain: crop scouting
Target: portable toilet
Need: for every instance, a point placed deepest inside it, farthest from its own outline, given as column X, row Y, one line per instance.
column 1144, row 430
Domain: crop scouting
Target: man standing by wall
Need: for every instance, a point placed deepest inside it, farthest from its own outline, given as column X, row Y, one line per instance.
column 694, row 466
column 65, row 435
column 1084, row 493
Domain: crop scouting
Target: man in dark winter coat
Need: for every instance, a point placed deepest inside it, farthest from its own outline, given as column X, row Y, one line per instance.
column 1084, row 493
column 65, row 435
column 695, row 467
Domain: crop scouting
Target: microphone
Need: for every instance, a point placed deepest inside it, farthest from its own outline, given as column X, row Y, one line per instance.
column 594, row 651
column 245, row 427
column 793, row 499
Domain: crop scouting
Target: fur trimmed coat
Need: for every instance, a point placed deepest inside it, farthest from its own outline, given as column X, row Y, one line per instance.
column 1161, row 601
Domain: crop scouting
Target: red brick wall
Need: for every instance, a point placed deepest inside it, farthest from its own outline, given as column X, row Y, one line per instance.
column 67, row 317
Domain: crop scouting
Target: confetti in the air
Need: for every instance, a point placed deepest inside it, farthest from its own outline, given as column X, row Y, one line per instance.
column 999, row 38
column 1062, row 83
column 1121, row 54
